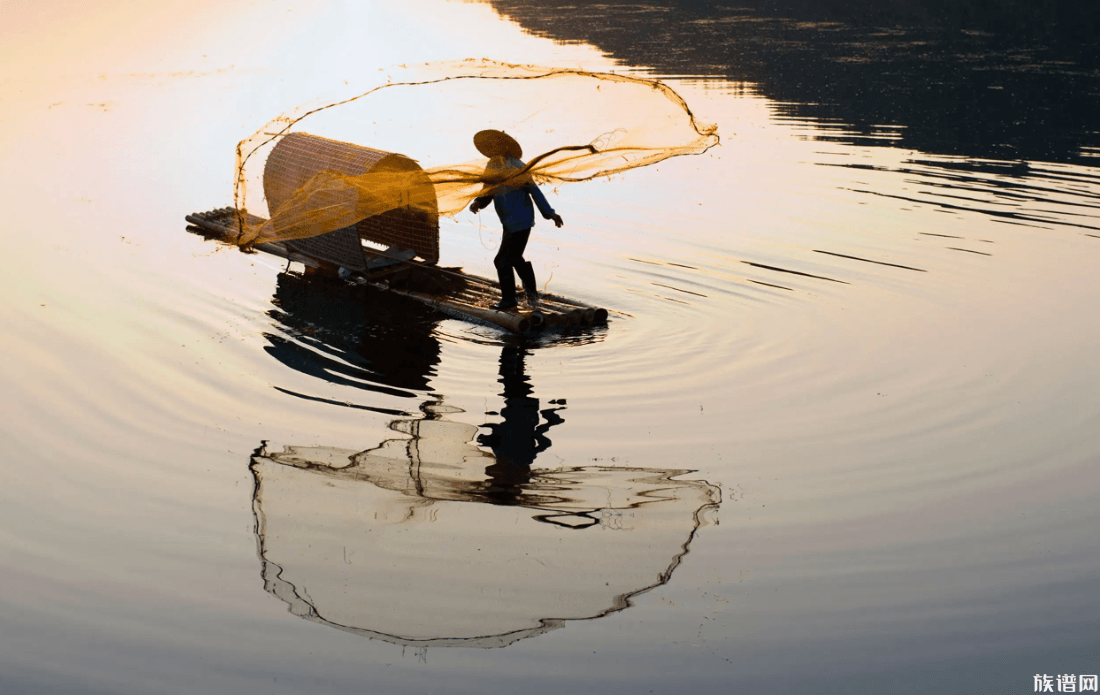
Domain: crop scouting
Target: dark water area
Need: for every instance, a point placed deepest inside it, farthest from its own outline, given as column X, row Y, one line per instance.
column 1007, row 81
column 343, row 336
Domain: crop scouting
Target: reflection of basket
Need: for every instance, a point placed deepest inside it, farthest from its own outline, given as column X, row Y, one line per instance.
column 385, row 543
column 408, row 543
column 299, row 156
column 416, row 570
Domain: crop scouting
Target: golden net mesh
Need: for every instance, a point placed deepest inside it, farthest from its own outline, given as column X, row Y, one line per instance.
column 583, row 124
column 298, row 158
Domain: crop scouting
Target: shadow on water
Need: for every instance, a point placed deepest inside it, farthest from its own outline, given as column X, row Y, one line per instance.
column 521, row 435
column 370, row 340
column 1012, row 81
column 351, row 337
column 429, row 541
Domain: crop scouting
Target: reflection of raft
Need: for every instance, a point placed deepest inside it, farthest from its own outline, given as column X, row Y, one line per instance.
column 404, row 257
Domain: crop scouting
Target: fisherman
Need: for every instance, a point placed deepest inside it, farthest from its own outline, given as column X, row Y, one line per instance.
column 517, row 214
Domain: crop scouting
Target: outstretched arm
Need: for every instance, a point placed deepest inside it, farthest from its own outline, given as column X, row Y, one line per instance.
column 543, row 205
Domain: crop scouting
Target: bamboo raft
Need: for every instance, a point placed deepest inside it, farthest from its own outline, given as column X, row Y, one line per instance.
column 449, row 290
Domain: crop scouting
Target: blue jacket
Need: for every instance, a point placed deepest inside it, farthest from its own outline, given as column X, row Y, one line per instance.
column 513, row 203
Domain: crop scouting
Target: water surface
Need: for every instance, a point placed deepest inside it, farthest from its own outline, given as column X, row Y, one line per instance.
column 848, row 391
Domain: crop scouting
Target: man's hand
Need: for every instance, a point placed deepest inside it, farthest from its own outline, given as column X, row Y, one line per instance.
column 557, row 220
column 474, row 207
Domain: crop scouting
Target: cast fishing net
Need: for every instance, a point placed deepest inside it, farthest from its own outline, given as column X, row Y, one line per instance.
column 573, row 126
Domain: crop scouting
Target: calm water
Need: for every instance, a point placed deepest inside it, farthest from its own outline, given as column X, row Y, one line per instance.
column 840, row 435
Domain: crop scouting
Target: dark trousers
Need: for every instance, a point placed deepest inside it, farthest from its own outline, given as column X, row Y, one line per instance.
column 510, row 257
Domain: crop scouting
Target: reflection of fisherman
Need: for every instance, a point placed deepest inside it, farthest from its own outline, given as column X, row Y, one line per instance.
column 520, row 437
column 513, row 206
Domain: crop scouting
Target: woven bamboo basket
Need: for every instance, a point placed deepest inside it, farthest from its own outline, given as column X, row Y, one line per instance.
column 299, row 156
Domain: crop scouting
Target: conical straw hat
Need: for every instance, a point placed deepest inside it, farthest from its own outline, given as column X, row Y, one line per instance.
column 497, row 143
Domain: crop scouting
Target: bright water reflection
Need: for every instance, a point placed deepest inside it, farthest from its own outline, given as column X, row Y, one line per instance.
column 881, row 348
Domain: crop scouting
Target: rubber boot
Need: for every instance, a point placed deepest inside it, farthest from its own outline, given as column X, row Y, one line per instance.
column 507, row 286
column 527, row 274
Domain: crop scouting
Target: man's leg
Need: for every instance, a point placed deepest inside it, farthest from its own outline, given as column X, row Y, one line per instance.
column 509, row 257
column 523, row 268
column 507, row 280
column 527, row 275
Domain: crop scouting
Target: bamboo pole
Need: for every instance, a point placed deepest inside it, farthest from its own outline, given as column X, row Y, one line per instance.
column 547, row 302
column 518, row 323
